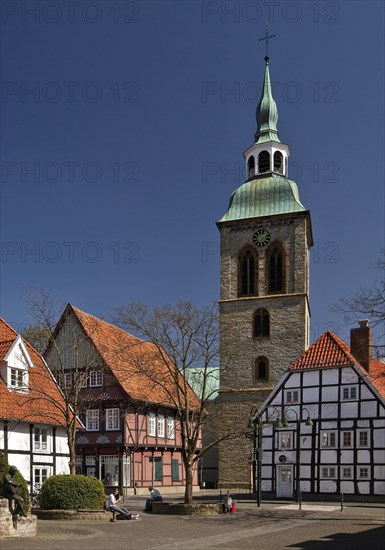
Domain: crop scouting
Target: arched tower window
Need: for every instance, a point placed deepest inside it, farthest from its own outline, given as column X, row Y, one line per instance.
column 276, row 269
column 261, row 323
column 250, row 168
column 247, row 273
column 278, row 162
column 263, row 162
column 261, row 370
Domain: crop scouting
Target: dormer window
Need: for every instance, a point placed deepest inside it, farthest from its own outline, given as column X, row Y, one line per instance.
column 17, row 379
column 263, row 162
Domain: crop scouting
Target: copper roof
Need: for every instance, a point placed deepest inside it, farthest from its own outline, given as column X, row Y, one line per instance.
column 43, row 403
column 143, row 370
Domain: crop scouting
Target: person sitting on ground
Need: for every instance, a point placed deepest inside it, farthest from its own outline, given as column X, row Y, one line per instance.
column 155, row 497
column 112, row 499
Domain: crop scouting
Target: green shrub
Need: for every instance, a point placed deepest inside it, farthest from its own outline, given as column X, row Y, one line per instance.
column 69, row 492
column 23, row 491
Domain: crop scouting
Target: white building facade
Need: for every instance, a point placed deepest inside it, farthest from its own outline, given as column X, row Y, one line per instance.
column 32, row 434
column 322, row 429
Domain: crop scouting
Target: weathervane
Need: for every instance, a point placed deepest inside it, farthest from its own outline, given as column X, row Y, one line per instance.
column 267, row 37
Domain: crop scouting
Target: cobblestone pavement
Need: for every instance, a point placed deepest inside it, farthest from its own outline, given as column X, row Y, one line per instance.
column 269, row 527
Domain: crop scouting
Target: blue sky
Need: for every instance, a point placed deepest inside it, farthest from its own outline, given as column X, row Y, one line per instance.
column 135, row 115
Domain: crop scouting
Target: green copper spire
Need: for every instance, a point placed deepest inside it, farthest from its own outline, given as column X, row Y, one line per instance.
column 267, row 113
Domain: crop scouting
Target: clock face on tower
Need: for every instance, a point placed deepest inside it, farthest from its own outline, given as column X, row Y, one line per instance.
column 261, row 237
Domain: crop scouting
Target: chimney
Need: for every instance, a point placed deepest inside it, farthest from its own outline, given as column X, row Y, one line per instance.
column 361, row 343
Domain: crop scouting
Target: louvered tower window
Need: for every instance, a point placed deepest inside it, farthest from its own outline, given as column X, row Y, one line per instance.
column 250, row 168
column 261, row 369
column 278, row 162
column 276, row 270
column 263, row 162
column 247, row 274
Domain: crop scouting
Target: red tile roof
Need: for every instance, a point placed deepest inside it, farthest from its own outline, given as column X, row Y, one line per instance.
column 327, row 351
column 331, row 351
column 43, row 403
column 377, row 375
column 137, row 365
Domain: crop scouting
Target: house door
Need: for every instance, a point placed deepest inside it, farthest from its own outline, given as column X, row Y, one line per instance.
column 285, row 481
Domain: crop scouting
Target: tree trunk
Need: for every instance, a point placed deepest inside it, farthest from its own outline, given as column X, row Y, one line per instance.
column 72, row 451
column 188, row 493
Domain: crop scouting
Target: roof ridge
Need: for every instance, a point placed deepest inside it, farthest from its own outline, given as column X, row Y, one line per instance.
column 328, row 350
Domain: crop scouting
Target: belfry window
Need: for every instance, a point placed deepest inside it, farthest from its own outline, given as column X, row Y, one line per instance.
column 278, row 162
column 263, row 162
column 247, row 274
column 250, row 168
column 261, row 323
column 276, row 270
column 261, row 369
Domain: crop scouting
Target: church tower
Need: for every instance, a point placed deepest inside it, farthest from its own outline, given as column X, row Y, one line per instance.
column 264, row 286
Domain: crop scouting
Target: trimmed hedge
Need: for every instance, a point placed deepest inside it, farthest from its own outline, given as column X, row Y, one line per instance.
column 72, row 492
column 23, row 491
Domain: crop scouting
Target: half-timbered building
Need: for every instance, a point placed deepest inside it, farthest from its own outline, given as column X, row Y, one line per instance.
column 32, row 433
column 322, row 429
column 132, row 435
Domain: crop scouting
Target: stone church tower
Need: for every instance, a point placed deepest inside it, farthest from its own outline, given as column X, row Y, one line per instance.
column 264, row 290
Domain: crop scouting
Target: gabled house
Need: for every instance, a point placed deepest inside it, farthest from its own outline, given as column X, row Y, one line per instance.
column 32, row 434
column 321, row 431
column 132, row 435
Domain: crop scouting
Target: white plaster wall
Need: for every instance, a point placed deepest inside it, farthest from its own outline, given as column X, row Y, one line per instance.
column 379, row 438
column 349, row 409
column 294, row 381
column 311, row 378
column 22, row 463
column 348, row 376
column 363, row 487
column 61, row 441
column 379, row 487
column 365, row 392
column 62, row 466
column 347, row 457
column 328, row 410
column 347, row 487
column 368, row 408
column 330, row 393
column 363, row 456
column 18, row 437
column 330, row 376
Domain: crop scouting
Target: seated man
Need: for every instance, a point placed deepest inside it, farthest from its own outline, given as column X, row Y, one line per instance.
column 112, row 499
column 11, row 488
column 155, row 497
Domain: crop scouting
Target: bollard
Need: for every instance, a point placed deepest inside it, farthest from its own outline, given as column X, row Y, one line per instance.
column 342, row 502
column 300, row 501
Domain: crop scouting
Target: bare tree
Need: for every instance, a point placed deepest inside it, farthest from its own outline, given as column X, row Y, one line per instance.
column 184, row 338
column 368, row 303
column 70, row 359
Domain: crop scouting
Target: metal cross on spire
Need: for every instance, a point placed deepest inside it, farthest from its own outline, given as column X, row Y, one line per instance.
column 267, row 37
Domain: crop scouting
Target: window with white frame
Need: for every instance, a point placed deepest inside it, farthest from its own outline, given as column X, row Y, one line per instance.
column 17, row 378
column 329, row 472
column 171, row 427
column 285, row 440
column 83, row 379
column 151, row 424
column 328, row 439
column 347, row 439
column 90, row 460
column 160, row 425
column 292, row 396
column 113, row 419
column 363, row 438
column 92, row 420
column 40, row 439
column 67, row 379
column 40, row 474
column 346, row 472
column 349, row 392
column 96, row 378
column 363, row 472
